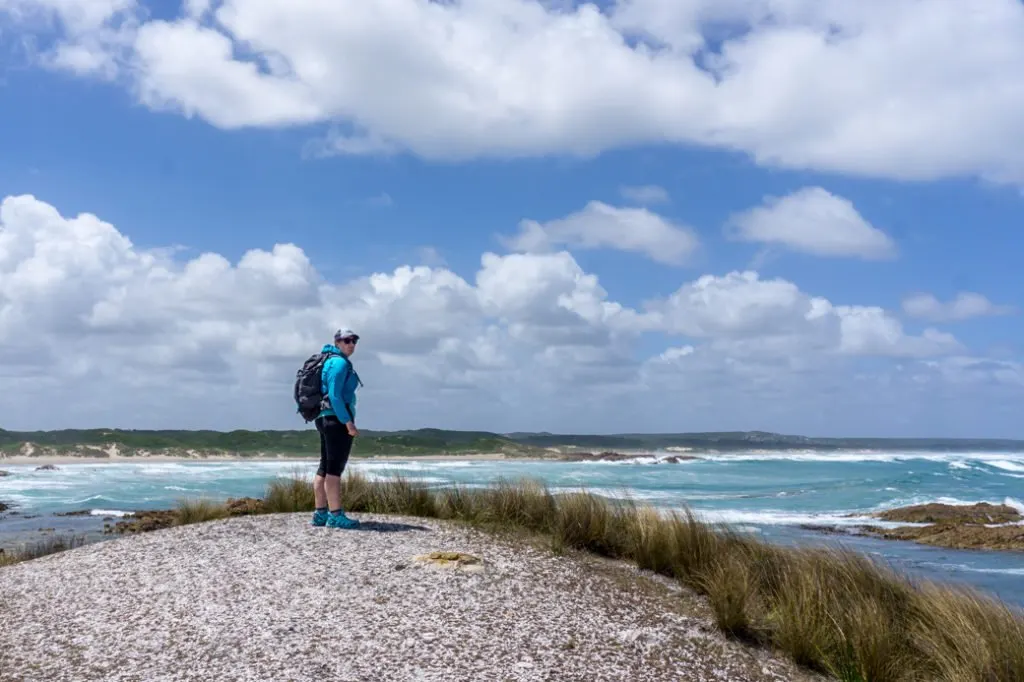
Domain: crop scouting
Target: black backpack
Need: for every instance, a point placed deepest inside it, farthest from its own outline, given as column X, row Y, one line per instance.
column 309, row 399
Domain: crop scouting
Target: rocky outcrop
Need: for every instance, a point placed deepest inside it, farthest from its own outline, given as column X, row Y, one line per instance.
column 953, row 536
column 244, row 506
column 955, row 514
column 150, row 520
column 3, row 507
column 47, row 467
column 609, row 456
column 977, row 526
column 143, row 522
column 4, row 473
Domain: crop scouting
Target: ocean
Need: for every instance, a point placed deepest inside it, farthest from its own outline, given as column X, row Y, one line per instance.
column 769, row 494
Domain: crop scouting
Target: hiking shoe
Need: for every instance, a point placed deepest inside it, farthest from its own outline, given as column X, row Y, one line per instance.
column 319, row 518
column 339, row 520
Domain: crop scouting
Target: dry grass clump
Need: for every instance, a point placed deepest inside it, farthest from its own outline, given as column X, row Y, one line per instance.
column 198, row 511
column 289, row 495
column 834, row 611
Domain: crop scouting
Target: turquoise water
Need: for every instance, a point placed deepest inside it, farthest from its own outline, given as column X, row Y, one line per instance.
column 770, row 494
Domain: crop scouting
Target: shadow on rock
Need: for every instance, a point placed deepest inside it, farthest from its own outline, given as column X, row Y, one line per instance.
column 385, row 527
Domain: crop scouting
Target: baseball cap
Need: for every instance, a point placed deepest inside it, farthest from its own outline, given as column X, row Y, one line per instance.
column 345, row 334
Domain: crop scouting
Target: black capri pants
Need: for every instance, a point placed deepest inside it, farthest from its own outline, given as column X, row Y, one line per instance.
column 335, row 445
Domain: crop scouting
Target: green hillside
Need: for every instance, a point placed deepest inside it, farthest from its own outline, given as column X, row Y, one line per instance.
column 294, row 442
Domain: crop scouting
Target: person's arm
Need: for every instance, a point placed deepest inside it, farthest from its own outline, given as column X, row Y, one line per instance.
column 333, row 383
column 339, row 401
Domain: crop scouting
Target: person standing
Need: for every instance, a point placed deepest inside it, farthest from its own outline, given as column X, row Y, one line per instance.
column 337, row 426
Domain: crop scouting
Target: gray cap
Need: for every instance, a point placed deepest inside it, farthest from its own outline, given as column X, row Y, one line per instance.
column 344, row 333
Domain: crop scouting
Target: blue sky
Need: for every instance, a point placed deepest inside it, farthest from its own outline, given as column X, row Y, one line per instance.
column 237, row 178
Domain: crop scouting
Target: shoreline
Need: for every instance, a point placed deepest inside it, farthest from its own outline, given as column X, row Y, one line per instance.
column 21, row 460
column 571, row 457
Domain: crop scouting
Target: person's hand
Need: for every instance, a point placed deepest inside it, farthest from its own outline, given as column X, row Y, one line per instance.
column 352, row 430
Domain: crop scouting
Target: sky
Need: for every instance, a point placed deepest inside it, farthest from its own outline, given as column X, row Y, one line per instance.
column 800, row 216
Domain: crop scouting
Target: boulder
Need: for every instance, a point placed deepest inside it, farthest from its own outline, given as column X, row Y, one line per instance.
column 977, row 526
column 244, row 506
column 957, row 536
column 144, row 522
column 47, row 467
column 952, row 513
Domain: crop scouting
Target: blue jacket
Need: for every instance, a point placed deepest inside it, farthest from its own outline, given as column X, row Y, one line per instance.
column 338, row 384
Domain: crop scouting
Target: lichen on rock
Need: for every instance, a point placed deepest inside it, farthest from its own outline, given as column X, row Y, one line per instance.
column 453, row 560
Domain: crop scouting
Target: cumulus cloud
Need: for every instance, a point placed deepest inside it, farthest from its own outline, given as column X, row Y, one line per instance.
column 94, row 36
column 964, row 306
column 864, row 88
column 102, row 332
column 815, row 221
column 599, row 225
column 775, row 316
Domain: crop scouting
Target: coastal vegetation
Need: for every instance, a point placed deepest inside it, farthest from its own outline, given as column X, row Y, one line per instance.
column 834, row 611
column 428, row 441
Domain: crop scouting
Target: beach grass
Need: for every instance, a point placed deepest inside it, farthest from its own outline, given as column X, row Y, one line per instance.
column 196, row 511
column 832, row 610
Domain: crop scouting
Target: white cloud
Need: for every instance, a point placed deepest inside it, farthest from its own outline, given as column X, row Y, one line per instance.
column 774, row 316
column 869, row 330
column 94, row 35
column 966, row 371
column 645, row 194
column 599, row 225
column 815, row 221
column 76, row 17
column 964, row 306
column 864, row 88
column 103, row 332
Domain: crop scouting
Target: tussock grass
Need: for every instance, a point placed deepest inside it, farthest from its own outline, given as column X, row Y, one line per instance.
column 288, row 495
column 197, row 511
column 832, row 610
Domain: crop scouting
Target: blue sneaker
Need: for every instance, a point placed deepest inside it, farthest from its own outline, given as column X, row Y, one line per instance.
column 319, row 518
column 339, row 520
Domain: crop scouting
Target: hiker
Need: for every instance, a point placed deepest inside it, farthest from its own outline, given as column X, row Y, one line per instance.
column 337, row 426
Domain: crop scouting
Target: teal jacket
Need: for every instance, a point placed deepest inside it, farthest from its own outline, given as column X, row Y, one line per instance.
column 338, row 381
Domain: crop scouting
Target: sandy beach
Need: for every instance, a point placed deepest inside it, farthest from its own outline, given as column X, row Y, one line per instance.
column 270, row 597
column 58, row 460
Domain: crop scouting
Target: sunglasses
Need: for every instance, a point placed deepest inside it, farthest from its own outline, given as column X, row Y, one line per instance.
column 350, row 340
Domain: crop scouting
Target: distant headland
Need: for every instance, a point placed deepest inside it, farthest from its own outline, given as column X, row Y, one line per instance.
column 108, row 443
